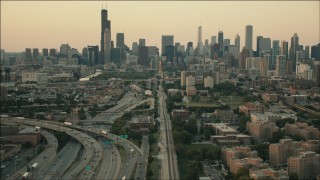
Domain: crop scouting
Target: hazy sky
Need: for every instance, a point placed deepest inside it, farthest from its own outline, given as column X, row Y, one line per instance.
column 49, row 24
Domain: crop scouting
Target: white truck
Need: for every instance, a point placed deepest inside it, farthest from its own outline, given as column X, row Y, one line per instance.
column 34, row 166
column 103, row 132
column 67, row 123
column 25, row 176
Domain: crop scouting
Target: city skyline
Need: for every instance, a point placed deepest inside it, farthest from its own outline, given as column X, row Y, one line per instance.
column 22, row 32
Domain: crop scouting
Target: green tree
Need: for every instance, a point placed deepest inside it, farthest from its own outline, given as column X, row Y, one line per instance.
column 293, row 176
column 276, row 136
column 82, row 114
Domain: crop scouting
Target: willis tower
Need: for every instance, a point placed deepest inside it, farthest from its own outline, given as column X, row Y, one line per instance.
column 105, row 37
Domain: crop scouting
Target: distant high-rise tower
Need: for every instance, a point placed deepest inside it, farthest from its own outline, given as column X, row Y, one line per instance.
column 307, row 52
column 45, row 52
column 315, row 52
column 105, row 24
column 284, row 48
column 167, row 40
column 249, row 34
column 107, row 47
column 220, row 39
column 237, row 42
column 120, row 40
column 28, row 56
column 281, row 65
column 275, row 52
column 52, row 52
column 93, row 55
column 257, row 52
column 199, row 36
column 294, row 46
column 35, row 55
column 142, row 42
column 213, row 40
column 135, row 48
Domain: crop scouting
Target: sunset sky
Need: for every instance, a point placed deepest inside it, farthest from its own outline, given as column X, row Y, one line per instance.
column 49, row 24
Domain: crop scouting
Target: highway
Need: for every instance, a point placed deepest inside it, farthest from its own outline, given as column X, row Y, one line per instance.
column 143, row 160
column 122, row 106
column 110, row 165
column 63, row 160
column 126, row 170
column 49, row 152
column 92, row 153
column 166, row 141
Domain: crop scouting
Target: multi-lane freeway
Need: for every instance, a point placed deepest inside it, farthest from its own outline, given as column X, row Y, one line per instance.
column 44, row 158
column 92, row 153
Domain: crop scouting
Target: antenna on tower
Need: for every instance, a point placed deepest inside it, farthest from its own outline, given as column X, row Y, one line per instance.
column 101, row 5
column 106, row 5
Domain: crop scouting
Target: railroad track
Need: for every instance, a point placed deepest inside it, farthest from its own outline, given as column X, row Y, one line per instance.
column 170, row 146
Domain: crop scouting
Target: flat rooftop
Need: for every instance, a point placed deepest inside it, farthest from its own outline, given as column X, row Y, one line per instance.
column 28, row 130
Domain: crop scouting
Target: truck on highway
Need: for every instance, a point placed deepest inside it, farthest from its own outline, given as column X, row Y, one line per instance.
column 34, row 166
column 103, row 132
column 25, row 176
column 67, row 123
column 124, row 178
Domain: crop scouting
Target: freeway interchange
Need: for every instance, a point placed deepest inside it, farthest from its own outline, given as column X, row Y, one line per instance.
column 91, row 165
column 87, row 156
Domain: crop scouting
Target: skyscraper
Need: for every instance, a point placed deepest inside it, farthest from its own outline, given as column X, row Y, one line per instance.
column 64, row 48
column 281, row 65
column 315, row 52
column 105, row 24
column 120, row 40
column 52, row 52
column 106, row 52
column 213, row 40
column 142, row 42
column 28, row 56
column 237, row 42
column 199, row 36
column 249, row 34
column 264, row 45
column 45, row 52
column 167, row 40
column 307, row 52
column 93, row 55
column 294, row 46
column 220, row 41
column 257, row 52
column 135, row 48
column 275, row 52
column 284, row 48
column 35, row 55
column 143, row 56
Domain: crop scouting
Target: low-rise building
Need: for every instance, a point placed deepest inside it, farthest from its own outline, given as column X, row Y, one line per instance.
column 34, row 76
column 191, row 91
column 231, row 140
column 238, row 152
column 224, row 115
column 268, row 173
column 249, row 107
column 142, row 124
column 28, row 135
column 221, row 129
column 261, row 130
column 270, row 97
column 302, row 130
column 236, row 164
column 182, row 114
